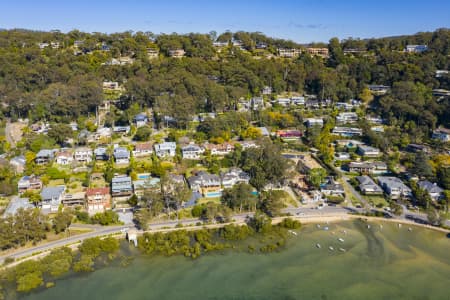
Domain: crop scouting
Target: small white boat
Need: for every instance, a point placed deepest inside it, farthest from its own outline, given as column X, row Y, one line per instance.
column 318, row 246
column 399, row 225
column 344, row 231
column 409, row 229
column 326, row 228
column 341, row 240
column 368, row 226
column 331, row 248
column 381, row 226
column 342, row 250
column 318, row 225
column 293, row 232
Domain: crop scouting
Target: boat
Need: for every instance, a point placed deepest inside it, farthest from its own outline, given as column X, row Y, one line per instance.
column 368, row 226
column 331, row 248
column 344, row 231
column 341, row 240
column 381, row 226
column 318, row 246
column 293, row 232
column 342, row 250
column 318, row 225
column 325, row 228
column 409, row 229
column 399, row 225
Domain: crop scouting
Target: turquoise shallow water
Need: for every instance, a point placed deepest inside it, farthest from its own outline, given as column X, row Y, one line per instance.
column 379, row 263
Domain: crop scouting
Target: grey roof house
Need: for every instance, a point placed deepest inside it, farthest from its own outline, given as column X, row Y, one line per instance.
column 51, row 198
column 432, row 189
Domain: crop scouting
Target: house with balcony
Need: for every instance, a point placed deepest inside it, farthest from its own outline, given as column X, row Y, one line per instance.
column 83, row 155
column 394, row 187
column 121, row 129
column 435, row 192
column 220, row 149
column 416, row 48
column 209, row 185
column 312, row 122
column 289, row 135
column 177, row 53
column 347, row 117
column 192, row 151
column 366, row 167
column 101, row 153
column 44, row 156
column 51, row 198
column 64, row 158
column 166, row 149
column 29, row 184
column 378, row 89
column 74, row 199
column 98, row 199
column 322, row 52
column 143, row 149
column 121, row 190
column 140, row 120
column 289, row 53
column 347, row 131
column 121, row 155
column 234, row 176
column 368, row 151
column 367, row 186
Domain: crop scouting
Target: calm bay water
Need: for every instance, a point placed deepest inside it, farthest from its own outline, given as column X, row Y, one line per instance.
column 379, row 263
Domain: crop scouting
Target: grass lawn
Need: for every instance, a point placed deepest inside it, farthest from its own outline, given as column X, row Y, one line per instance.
column 74, row 187
column 206, row 200
column 377, row 200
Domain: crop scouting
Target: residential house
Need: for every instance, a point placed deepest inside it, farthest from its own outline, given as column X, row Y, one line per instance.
column 121, row 155
column 441, row 73
column 394, row 187
column 152, row 53
column 17, row 203
column 347, row 117
column 29, row 183
column 300, row 100
column 377, row 129
column 64, row 158
column 347, row 131
column 44, row 156
column 18, row 164
column 289, row 135
column 111, row 85
column 51, row 198
column 343, row 105
column 143, row 149
column 416, row 48
column 322, row 52
column 256, row 103
column 342, row 156
column 98, row 199
column 442, row 134
column 248, row 144
column 432, row 189
column 368, row 151
column 311, row 122
column 83, row 155
column 375, row 120
column 177, row 53
column 332, row 189
column 206, row 184
column 121, row 129
column 415, row 148
column 121, row 189
column 220, row 149
column 141, row 186
column 192, row 151
column 74, row 199
column 282, row 101
column 234, row 176
column 166, row 149
column 349, row 144
column 289, row 53
column 375, row 167
column 101, row 153
column 140, row 120
column 377, row 89
column 367, row 186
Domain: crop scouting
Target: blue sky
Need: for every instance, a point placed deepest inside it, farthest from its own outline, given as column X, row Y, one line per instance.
column 302, row 20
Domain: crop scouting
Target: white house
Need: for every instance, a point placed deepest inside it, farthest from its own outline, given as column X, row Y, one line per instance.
column 394, row 187
column 310, row 122
column 432, row 189
column 416, row 48
column 234, row 176
column 166, row 149
column 64, row 158
column 347, row 117
column 83, row 155
column 143, row 149
column 192, row 151
column 52, row 198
